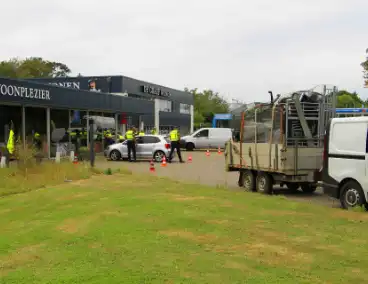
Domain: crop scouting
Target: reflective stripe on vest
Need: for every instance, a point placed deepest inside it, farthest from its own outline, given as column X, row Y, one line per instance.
column 174, row 135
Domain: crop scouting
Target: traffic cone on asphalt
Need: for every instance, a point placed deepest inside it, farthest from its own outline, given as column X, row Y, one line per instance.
column 208, row 153
column 152, row 166
column 163, row 163
column 219, row 151
column 75, row 161
column 190, row 159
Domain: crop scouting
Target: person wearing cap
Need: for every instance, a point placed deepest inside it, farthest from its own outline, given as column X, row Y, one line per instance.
column 175, row 144
column 130, row 137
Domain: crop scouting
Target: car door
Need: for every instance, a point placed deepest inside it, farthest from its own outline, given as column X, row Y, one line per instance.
column 201, row 139
column 139, row 146
column 148, row 145
column 123, row 148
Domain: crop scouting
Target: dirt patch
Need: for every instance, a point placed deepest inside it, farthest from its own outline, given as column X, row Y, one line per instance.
column 74, row 196
column 75, row 225
column 349, row 215
column 207, row 238
column 285, row 213
column 20, row 257
column 179, row 197
column 218, row 222
column 269, row 253
column 94, row 245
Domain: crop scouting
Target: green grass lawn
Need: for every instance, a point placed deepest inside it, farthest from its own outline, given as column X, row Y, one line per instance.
column 128, row 228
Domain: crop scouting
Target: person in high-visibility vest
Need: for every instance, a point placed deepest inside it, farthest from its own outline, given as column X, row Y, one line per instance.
column 154, row 131
column 130, row 137
column 37, row 142
column 10, row 145
column 175, row 144
column 141, row 133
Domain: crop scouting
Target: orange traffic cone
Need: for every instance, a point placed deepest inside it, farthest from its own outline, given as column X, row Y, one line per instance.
column 152, row 166
column 208, row 153
column 163, row 164
column 219, row 151
column 190, row 159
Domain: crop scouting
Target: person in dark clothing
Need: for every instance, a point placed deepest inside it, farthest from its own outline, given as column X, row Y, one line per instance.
column 130, row 137
column 175, row 144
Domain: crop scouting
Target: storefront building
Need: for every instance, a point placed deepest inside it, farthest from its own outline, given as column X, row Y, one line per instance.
column 175, row 107
column 51, row 106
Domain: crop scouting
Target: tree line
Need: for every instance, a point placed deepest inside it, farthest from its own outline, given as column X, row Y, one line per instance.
column 206, row 102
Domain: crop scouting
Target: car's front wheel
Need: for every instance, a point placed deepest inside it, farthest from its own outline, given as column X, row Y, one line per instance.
column 158, row 156
column 115, row 155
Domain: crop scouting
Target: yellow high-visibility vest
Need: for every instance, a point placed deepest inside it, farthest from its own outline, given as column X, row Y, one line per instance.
column 141, row 133
column 153, row 132
column 129, row 135
column 10, row 145
column 174, row 135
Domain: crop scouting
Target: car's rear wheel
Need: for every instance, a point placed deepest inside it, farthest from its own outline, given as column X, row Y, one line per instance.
column 115, row 155
column 189, row 146
column 158, row 156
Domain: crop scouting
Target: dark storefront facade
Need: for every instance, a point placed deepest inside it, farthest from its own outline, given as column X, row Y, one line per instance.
column 175, row 106
column 51, row 106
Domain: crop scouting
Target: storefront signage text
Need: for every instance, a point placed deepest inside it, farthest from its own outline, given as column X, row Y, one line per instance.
column 155, row 91
column 73, row 85
column 24, row 92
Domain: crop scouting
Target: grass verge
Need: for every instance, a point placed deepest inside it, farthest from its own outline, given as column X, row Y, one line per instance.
column 131, row 228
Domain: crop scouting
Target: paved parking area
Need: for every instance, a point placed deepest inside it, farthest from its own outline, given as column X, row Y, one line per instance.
column 209, row 170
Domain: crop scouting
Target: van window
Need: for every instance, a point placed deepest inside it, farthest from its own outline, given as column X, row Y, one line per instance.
column 348, row 137
column 203, row 133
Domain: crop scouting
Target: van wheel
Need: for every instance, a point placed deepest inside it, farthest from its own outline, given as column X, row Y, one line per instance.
column 189, row 146
column 264, row 183
column 247, row 180
column 309, row 188
column 351, row 195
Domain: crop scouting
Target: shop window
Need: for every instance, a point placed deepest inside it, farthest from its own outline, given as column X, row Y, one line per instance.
column 184, row 108
column 59, row 125
column 165, row 105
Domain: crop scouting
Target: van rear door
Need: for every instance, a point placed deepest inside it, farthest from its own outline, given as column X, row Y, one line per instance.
column 347, row 150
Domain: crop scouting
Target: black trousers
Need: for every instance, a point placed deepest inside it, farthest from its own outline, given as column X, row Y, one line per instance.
column 175, row 145
column 131, row 148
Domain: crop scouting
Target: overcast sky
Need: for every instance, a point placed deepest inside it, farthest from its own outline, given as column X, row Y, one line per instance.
column 240, row 48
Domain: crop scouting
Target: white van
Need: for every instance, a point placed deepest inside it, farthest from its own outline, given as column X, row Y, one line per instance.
column 206, row 138
column 345, row 161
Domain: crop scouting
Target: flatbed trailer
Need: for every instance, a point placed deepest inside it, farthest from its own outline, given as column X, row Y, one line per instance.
column 281, row 143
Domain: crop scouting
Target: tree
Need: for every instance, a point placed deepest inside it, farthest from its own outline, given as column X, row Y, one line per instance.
column 33, row 67
column 347, row 99
column 365, row 70
column 206, row 104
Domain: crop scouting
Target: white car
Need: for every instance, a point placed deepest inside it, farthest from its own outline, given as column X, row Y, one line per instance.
column 147, row 147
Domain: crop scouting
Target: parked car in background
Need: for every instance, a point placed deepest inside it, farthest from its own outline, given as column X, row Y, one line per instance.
column 206, row 138
column 147, row 147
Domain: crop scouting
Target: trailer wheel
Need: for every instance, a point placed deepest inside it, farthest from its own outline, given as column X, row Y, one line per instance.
column 264, row 183
column 247, row 180
column 309, row 188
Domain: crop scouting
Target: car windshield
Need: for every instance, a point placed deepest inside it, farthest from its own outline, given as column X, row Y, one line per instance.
column 167, row 139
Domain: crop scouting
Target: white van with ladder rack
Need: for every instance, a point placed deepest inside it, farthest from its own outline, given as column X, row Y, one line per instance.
column 345, row 161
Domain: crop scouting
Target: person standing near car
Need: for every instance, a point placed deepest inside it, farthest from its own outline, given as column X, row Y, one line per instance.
column 130, row 137
column 175, row 144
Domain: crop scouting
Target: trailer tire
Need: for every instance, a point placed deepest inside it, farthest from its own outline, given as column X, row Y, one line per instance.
column 309, row 188
column 264, row 183
column 247, row 180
